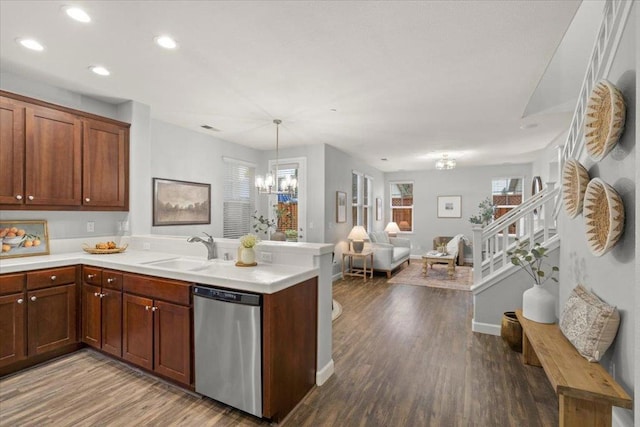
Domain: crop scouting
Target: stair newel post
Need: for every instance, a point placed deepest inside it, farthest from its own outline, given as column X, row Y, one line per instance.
column 477, row 253
column 548, row 212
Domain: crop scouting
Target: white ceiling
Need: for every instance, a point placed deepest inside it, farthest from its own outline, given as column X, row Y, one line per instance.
column 408, row 80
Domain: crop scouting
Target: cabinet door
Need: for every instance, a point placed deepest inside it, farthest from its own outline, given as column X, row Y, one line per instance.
column 11, row 152
column 53, row 157
column 112, row 322
column 12, row 345
column 105, row 161
column 172, row 336
column 91, row 328
column 51, row 315
column 137, row 330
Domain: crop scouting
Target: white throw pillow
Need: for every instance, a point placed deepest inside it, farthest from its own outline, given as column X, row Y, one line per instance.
column 589, row 323
column 452, row 246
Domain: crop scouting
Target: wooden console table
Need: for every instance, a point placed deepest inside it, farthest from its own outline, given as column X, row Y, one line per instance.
column 355, row 271
column 586, row 392
column 429, row 259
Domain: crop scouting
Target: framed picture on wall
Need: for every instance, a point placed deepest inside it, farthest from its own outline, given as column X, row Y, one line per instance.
column 24, row 238
column 341, row 206
column 181, row 202
column 378, row 209
column 449, row 206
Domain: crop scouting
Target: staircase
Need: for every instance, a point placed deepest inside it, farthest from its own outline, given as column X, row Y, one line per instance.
column 496, row 286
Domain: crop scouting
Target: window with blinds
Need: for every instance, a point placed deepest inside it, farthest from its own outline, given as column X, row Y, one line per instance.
column 239, row 198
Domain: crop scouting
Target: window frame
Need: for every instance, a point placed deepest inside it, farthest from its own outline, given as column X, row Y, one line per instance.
column 410, row 207
column 245, row 205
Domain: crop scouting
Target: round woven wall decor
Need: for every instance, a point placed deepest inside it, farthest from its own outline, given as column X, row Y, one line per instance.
column 604, row 119
column 574, row 183
column 603, row 216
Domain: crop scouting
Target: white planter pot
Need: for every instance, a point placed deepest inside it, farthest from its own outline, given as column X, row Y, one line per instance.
column 539, row 305
column 247, row 256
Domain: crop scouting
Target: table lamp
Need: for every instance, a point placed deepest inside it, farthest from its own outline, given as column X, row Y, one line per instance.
column 357, row 235
column 392, row 228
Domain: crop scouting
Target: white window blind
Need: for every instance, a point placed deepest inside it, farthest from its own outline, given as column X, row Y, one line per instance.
column 239, row 198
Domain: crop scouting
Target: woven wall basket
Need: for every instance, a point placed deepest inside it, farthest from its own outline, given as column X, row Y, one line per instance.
column 603, row 216
column 604, row 119
column 574, row 183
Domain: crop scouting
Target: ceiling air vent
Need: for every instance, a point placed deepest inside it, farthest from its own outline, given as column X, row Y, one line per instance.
column 207, row 127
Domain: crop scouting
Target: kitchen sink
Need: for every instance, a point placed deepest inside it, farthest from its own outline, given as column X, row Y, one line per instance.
column 180, row 264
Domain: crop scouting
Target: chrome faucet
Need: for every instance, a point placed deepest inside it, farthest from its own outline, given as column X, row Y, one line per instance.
column 209, row 243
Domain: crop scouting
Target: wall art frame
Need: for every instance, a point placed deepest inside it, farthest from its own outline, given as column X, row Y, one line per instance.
column 341, row 206
column 449, row 206
column 378, row 209
column 181, row 202
column 21, row 238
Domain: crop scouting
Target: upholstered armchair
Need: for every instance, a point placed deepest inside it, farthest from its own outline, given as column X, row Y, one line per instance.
column 388, row 252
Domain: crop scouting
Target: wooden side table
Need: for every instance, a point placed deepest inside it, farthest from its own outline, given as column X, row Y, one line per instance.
column 355, row 271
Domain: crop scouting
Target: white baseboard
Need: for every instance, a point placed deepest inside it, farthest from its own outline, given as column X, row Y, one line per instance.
column 325, row 373
column 485, row 328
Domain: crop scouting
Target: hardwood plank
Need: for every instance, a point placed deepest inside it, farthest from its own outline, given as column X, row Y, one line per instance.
column 404, row 356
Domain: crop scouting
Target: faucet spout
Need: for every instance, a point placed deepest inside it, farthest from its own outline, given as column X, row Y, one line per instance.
column 209, row 244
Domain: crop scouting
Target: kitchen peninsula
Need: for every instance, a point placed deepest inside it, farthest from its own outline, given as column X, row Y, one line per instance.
column 151, row 296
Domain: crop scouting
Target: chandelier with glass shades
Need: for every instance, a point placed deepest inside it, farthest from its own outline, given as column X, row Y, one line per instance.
column 270, row 182
column 445, row 163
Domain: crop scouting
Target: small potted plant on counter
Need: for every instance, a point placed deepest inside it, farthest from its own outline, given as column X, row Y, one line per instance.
column 246, row 251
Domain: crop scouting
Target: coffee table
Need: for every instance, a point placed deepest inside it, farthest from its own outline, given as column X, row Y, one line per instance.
column 431, row 258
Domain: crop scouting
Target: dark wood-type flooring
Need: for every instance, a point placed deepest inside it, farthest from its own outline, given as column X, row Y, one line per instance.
column 404, row 356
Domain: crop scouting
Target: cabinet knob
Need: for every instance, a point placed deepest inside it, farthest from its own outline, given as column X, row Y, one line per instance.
column 33, row 298
column 18, row 197
column 103, row 295
column 53, row 278
column 96, row 294
column 30, row 197
column 111, row 280
column 147, row 307
column 87, row 199
column 154, row 308
column 91, row 276
column 20, row 301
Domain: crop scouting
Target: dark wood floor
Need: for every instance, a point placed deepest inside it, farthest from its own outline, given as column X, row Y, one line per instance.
column 404, row 356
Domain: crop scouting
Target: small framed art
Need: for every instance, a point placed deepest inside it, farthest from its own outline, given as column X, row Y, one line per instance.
column 449, row 206
column 378, row 209
column 341, row 206
column 24, row 238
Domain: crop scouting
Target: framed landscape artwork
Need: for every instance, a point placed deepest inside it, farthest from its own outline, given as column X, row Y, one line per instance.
column 341, row 206
column 181, row 202
column 449, row 206
column 24, row 238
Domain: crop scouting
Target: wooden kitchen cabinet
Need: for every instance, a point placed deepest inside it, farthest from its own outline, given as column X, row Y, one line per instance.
column 52, row 310
column 13, row 309
column 102, row 309
column 57, row 158
column 157, row 318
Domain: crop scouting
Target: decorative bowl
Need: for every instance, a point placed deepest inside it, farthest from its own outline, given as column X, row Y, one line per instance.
column 604, row 119
column 575, row 179
column 603, row 216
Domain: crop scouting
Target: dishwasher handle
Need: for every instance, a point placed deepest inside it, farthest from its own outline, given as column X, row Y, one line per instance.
column 226, row 295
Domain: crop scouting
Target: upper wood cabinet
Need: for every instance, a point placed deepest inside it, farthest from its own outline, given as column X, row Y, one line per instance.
column 56, row 158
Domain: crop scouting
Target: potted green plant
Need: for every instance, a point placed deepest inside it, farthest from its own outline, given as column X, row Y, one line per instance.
column 262, row 224
column 485, row 215
column 538, row 304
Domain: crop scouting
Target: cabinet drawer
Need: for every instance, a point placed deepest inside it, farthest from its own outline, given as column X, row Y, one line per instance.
column 92, row 275
column 11, row 283
column 112, row 280
column 51, row 277
column 153, row 287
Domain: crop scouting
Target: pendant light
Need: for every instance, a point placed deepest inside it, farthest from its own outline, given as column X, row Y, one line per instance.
column 269, row 183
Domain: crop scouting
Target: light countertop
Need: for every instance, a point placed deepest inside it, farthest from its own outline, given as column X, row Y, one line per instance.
column 264, row 278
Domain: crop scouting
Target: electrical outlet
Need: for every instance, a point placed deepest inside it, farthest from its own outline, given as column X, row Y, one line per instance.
column 146, row 246
column 91, row 226
column 266, row 256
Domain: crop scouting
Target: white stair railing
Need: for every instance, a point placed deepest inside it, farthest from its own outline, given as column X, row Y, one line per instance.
column 491, row 243
column 615, row 13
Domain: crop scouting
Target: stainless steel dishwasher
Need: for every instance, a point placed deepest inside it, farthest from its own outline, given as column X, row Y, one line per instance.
column 228, row 347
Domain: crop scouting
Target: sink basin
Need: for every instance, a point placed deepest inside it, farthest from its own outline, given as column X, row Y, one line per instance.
column 180, row 264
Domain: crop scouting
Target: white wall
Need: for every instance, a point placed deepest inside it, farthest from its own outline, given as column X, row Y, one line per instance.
column 473, row 184
column 612, row 276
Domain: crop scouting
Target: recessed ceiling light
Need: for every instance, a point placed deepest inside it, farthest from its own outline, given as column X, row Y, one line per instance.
column 529, row 126
column 334, row 109
column 99, row 70
column 166, row 42
column 77, row 14
column 384, row 159
column 31, row 44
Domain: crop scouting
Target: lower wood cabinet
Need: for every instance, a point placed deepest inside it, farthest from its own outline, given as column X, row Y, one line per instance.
column 38, row 316
column 157, row 334
column 102, row 309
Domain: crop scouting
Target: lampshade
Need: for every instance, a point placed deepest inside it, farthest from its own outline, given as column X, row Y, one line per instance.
column 392, row 228
column 357, row 236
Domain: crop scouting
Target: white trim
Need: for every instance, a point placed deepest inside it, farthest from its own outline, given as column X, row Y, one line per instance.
column 238, row 161
column 322, row 375
column 485, row 328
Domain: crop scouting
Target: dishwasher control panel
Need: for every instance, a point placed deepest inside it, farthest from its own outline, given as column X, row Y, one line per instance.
column 225, row 295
